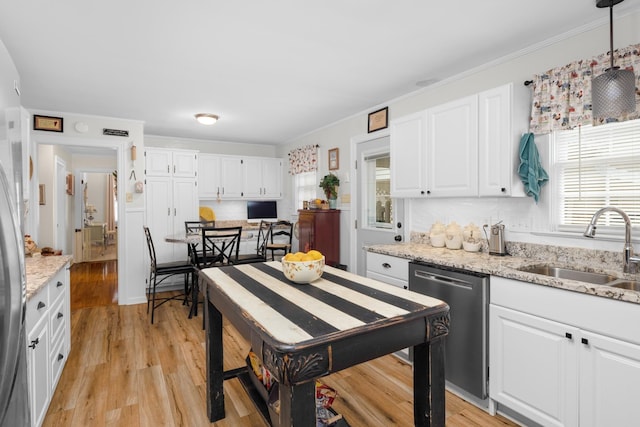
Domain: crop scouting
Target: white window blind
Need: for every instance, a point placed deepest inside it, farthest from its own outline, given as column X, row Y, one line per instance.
column 305, row 187
column 596, row 167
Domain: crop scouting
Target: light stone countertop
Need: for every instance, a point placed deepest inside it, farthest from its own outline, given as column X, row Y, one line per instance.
column 524, row 255
column 40, row 269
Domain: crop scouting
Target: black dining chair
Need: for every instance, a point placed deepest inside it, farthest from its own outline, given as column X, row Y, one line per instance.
column 260, row 255
column 216, row 249
column 279, row 230
column 159, row 272
column 195, row 227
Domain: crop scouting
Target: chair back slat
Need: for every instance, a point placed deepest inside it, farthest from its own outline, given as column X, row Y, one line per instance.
column 152, row 250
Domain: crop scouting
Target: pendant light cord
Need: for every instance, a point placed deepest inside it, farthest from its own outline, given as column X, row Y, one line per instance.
column 611, row 32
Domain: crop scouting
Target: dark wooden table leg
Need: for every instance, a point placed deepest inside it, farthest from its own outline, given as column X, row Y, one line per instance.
column 298, row 405
column 215, row 371
column 428, row 384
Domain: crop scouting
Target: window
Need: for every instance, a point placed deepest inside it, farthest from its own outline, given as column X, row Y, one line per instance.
column 378, row 204
column 305, row 188
column 596, row 167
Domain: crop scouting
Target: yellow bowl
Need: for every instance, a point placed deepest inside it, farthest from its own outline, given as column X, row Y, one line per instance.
column 303, row 271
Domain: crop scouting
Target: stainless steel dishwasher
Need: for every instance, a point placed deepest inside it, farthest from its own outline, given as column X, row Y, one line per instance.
column 466, row 346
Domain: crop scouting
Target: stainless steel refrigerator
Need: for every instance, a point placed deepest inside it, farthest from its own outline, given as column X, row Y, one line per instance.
column 14, row 394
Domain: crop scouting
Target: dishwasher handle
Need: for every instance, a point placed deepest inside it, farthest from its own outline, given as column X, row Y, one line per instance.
column 443, row 279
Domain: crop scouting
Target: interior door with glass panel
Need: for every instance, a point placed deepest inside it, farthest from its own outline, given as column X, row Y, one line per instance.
column 379, row 217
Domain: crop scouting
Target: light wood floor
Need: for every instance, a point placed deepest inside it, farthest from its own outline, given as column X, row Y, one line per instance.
column 123, row 371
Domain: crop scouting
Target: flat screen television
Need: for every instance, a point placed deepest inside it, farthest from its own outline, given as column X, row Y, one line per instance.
column 262, row 209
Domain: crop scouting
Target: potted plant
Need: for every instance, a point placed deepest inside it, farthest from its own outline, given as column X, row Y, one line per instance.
column 329, row 185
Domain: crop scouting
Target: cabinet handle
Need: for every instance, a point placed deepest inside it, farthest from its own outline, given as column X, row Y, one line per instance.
column 503, row 189
column 406, row 287
column 386, row 265
column 59, row 284
column 584, row 341
column 60, row 356
column 422, row 192
column 59, row 315
column 168, row 211
column 175, row 212
column 428, row 191
column 568, row 335
column 168, row 170
column 34, row 343
column 40, row 305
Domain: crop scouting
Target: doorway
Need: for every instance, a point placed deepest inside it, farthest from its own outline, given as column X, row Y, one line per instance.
column 379, row 217
column 96, row 215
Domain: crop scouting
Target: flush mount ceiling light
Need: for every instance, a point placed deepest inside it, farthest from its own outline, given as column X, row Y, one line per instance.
column 206, row 119
column 612, row 93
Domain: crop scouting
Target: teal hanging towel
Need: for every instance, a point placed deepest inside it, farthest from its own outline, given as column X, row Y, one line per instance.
column 531, row 173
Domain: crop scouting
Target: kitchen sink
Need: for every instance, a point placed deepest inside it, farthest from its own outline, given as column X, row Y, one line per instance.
column 567, row 273
column 626, row 284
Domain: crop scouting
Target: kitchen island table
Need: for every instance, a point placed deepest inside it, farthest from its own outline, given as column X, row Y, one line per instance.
column 304, row 332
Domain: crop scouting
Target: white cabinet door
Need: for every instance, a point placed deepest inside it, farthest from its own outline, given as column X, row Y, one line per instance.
column 39, row 366
column 252, row 177
column 609, row 381
column 208, row 176
column 533, row 366
column 408, row 156
column 185, row 164
column 185, row 208
column 452, row 148
column 231, row 177
column 271, row 178
column 159, row 196
column 495, row 142
column 158, row 162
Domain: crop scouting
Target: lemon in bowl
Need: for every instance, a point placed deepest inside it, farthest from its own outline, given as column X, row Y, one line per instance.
column 303, row 267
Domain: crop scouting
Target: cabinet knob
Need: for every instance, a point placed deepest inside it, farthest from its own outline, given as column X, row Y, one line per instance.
column 59, row 315
column 406, row 287
column 568, row 335
column 60, row 357
column 34, row 343
column 386, row 265
column 59, row 284
column 503, row 189
column 41, row 305
column 428, row 191
column 422, row 192
column 584, row 341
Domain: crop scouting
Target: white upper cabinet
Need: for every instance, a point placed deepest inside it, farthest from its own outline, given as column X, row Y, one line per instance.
column 408, row 153
column 495, row 142
column 176, row 163
column 463, row 148
column 231, row 175
column 209, row 176
column 239, row 177
column 452, row 148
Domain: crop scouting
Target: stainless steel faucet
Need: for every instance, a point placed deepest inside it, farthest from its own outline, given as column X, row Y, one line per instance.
column 630, row 261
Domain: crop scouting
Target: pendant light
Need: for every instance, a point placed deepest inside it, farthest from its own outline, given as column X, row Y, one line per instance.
column 612, row 93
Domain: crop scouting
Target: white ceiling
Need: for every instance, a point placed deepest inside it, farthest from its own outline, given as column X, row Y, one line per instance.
column 273, row 70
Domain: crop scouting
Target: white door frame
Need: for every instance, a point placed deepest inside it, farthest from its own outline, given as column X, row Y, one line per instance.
column 121, row 149
column 60, row 206
column 355, row 209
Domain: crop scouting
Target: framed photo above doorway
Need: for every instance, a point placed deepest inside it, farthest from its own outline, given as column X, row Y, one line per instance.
column 378, row 120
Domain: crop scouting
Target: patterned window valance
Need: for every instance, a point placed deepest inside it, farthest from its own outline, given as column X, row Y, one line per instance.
column 562, row 96
column 303, row 159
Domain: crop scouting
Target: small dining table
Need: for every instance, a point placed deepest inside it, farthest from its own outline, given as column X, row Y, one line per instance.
column 302, row 332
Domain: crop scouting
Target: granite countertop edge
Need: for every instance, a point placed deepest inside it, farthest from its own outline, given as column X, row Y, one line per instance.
column 40, row 270
column 507, row 267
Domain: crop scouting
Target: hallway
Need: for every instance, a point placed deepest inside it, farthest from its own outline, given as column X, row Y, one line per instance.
column 94, row 284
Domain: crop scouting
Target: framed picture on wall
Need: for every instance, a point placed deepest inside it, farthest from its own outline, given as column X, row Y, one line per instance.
column 70, row 184
column 51, row 124
column 334, row 159
column 378, row 119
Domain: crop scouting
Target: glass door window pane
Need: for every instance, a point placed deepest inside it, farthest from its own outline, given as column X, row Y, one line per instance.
column 379, row 207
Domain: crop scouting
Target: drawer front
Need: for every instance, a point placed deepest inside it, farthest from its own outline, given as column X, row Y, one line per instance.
column 37, row 307
column 57, row 320
column 58, row 285
column 58, row 360
column 403, row 284
column 397, row 268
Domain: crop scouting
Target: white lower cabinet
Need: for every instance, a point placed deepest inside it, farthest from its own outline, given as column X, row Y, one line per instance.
column 48, row 341
column 392, row 270
column 562, row 358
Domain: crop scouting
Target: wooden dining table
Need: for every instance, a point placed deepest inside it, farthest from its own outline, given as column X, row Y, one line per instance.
column 304, row 332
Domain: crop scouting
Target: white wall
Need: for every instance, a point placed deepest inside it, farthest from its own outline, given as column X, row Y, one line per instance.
column 525, row 220
column 215, row 147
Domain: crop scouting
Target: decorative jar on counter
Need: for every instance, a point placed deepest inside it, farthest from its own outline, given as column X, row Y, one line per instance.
column 437, row 235
column 472, row 240
column 454, row 236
